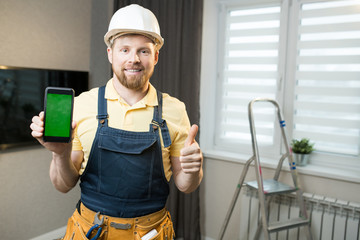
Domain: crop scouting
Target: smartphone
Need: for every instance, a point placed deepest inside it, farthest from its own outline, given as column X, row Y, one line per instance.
column 58, row 103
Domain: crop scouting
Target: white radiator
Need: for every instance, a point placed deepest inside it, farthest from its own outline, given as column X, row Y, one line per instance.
column 331, row 219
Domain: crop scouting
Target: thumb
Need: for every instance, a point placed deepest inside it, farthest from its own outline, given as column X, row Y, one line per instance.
column 192, row 134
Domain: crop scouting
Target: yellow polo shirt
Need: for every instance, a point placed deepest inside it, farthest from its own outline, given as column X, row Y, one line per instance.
column 131, row 118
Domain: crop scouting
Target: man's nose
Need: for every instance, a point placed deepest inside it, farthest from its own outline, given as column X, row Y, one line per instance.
column 134, row 57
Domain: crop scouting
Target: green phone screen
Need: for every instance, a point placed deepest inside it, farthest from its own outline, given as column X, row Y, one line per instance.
column 58, row 115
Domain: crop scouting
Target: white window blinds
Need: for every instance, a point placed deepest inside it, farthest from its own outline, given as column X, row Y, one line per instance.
column 306, row 55
column 327, row 91
column 250, row 70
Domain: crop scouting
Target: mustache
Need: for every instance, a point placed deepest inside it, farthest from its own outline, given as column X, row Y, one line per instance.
column 133, row 66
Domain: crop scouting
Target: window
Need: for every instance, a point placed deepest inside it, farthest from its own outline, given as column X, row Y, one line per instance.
column 250, row 69
column 327, row 91
column 305, row 55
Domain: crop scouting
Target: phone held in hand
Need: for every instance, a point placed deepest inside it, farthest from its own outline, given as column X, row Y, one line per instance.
column 58, row 104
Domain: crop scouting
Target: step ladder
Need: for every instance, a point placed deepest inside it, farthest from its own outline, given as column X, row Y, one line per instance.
column 267, row 188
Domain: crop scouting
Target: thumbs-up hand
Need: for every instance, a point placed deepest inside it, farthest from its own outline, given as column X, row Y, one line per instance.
column 191, row 157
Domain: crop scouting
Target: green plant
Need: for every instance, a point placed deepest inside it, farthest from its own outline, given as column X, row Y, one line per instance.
column 302, row 146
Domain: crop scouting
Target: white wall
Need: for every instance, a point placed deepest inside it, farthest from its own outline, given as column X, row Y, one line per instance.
column 222, row 171
column 47, row 34
column 57, row 35
column 40, row 34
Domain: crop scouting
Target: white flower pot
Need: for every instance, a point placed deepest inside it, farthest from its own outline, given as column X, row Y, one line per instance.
column 301, row 159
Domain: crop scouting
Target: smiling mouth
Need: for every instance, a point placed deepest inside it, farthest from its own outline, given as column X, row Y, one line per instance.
column 133, row 70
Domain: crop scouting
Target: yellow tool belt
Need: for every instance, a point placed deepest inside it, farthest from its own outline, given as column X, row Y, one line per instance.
column 79, row 225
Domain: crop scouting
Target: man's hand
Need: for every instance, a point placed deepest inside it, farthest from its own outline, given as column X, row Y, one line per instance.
column 187, row 169
column 37, row 127
column 190, row 156
column 65, row 164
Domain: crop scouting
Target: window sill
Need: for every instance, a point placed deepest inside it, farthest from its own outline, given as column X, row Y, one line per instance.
column 336, row 173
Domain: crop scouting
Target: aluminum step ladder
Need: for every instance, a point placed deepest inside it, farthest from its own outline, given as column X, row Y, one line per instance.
column 267, row 188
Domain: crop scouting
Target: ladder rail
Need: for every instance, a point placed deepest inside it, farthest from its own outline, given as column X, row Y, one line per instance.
column 291, row 161
column 258, row 171
column 235, row 197
column 287, row 154
column 265, row 202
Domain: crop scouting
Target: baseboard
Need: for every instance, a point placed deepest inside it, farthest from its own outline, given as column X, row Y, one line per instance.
column 55, row 234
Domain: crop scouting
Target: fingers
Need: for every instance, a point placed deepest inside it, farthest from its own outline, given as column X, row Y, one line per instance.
column 73, row 125
column 190, row 154
column 37, row 125
column 191, row 149
column 191, row 167
column 191, row 158
column 190, row 145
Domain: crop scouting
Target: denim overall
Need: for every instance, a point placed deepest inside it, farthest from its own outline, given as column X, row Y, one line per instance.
column 124, row 176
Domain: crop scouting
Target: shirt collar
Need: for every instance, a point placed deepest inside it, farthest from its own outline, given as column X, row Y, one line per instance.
column 150, row 98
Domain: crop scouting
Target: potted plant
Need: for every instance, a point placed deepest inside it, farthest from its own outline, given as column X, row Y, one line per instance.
column 301, row 150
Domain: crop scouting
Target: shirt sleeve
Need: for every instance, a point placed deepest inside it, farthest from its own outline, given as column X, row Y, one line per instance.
column 181, row 133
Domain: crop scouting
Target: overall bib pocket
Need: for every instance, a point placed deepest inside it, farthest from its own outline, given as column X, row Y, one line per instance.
column 126, row 169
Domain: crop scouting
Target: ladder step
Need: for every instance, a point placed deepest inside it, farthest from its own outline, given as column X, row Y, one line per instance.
column 272, row 186
column 287, row 224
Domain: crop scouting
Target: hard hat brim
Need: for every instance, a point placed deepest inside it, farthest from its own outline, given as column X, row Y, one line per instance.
column 157, row 39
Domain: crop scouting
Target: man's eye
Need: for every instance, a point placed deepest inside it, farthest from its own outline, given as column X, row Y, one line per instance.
column 124, row 50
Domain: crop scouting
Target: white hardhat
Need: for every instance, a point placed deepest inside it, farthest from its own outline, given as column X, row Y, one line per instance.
column 134, row 19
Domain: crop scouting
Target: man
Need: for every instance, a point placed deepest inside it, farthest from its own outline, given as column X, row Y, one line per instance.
column 128, row 141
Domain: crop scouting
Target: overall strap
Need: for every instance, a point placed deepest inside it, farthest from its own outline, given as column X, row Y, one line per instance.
column 158, row 110
column 157, row 118
column 102, row 107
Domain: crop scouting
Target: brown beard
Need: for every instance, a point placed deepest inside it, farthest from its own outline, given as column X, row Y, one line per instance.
column 134, row 83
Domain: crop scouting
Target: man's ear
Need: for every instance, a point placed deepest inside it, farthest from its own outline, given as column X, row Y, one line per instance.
column 156, row 57
column 109, row 53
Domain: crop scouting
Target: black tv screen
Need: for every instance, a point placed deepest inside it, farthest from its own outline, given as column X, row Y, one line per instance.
column 22, row 97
